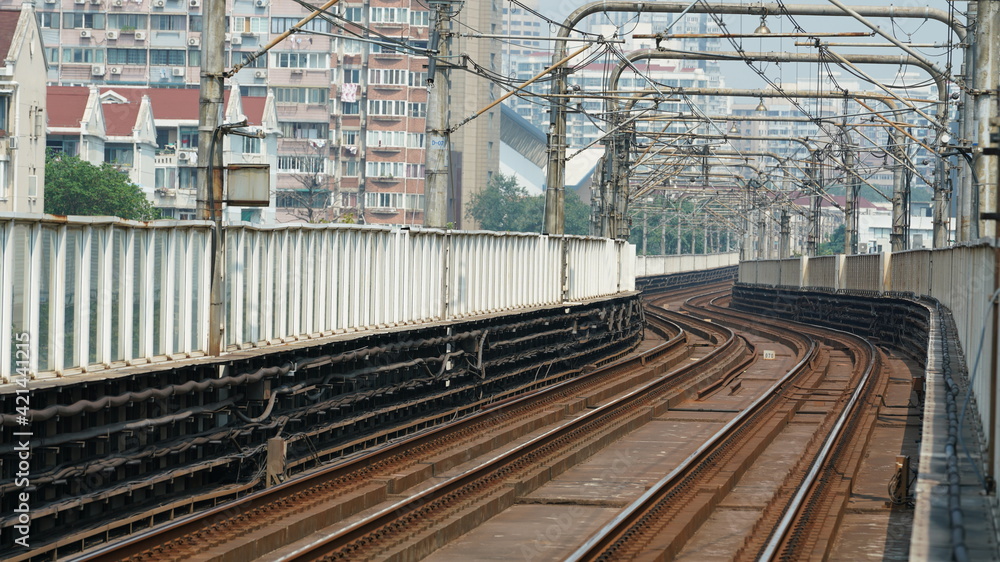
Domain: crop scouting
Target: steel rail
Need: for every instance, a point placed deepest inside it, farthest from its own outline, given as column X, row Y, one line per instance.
column 191, row 524
column 330, row 543
column 780, row 533
column 628, row 518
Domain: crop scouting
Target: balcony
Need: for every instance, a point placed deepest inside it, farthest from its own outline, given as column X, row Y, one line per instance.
column 386, row 149
column 165, row 159
column 385, row 179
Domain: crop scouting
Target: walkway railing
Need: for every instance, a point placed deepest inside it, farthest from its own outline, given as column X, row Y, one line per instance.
column 646, row 266
column 83, row 294
column 962, row 278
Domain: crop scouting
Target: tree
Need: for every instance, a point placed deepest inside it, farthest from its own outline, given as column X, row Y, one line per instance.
column 835, row 245
column 506, row 206
column 310, row 202
column 76, row 187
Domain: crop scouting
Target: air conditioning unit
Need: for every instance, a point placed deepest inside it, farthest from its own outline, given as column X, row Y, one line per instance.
column 95, row 2
column 140, row 35
column 97, row 70
column 261, row 3
column 182, row 156
column 159, row 3
column 111, row 34
column 260, row 74
column 118, row 3
column 116, row 70
column 178, row 71
column 84, row 33
column 80, row 1
column 236, row 40
column 194, row 3
column 50, row 1
column 296, row 71
column 194, row 41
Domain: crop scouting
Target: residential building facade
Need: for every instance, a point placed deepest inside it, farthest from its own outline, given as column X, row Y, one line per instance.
column 349, row 89
column 22, row 111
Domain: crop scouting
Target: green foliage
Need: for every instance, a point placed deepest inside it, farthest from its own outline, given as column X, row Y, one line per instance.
column 835, row 245
column 76, row 187
column 505, row 206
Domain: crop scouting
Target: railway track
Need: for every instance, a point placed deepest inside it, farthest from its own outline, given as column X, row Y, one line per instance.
column 259, row 522
column 801, row 516
column 385, row 504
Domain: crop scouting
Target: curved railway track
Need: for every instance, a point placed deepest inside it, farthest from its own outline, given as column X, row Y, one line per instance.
column 410, row 498
column 794, row 519
column 259, row 522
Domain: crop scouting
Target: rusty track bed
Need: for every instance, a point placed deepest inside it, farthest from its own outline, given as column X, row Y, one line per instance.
column 254, row 513
column 796, row 522
column 421, row 523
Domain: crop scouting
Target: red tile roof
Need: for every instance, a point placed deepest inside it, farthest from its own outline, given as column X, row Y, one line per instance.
column 66, row 105
column 8, row 24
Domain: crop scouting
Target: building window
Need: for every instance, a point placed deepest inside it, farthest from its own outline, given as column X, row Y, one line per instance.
column 303, row 198
column 386, row 107
column 384, row 169
column 79, row 20
column 349, row 137
column 415, row 170
column 301, row 60
column 386, row 138
column 242, row 24
column 351, row 46
column 82, row 55
column 187, row 178
column 387, row 76
column 251, row 145
column 48, row 20
column 164, row 178
column 415, row 140
column 168, row 23
column 119, row 155
column 188, row 137
column 350, row 108
column 301, row 95
column 418, row 79
column 418, row 109
column 164, row 57
column 126, row 56
column 350, row 168
column 420, row 17
column 299, row 130
column 194, row 58
column 129, row 22
column 352, row 75
column 68, row 147
column 302, row 164
column 4, row 179
column 408, row 201
column 281, row 25
column 354, row 14
column 195, row 23
column 389, row 15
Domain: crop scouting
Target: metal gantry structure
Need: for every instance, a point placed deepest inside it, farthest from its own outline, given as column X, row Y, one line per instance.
column 838, row 145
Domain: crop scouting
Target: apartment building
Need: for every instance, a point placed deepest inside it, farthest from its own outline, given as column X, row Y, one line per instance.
column 349, row 89
column 22, row 112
